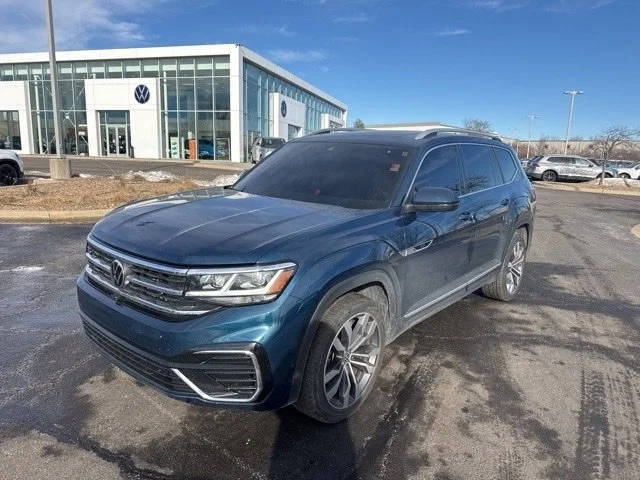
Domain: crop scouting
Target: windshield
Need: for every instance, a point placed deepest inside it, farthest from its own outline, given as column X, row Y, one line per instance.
column 345, row 174
column 272, row 142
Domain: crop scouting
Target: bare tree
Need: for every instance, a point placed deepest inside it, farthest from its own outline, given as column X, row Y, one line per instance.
column 612, row 139
column 477, row 125
column 357, row 123
column 542, row 145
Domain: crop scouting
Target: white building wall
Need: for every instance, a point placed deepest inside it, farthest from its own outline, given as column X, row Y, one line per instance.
column 296, row 115
column 144, row 118
column 236, row 92
column 15, row 96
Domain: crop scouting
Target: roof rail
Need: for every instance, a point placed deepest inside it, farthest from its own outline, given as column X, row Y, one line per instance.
column 433, row 132
column 331, row 130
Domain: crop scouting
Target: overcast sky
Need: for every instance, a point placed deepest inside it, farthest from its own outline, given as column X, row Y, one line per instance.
column 395, row 60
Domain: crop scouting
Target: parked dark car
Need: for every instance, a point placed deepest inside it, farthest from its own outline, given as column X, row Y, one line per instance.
column 286, row 287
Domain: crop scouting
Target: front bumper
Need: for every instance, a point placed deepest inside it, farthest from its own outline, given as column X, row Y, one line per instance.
column 238, row 357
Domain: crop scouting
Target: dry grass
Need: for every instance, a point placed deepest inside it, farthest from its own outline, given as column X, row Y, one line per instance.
column 87, row 193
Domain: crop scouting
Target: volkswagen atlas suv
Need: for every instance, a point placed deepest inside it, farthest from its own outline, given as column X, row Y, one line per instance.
column 286, row 287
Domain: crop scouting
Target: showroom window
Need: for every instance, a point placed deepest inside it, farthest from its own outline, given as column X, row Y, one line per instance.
column 10, row 130
column 195, row 108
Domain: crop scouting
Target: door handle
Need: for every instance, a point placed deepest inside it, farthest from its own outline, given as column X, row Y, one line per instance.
column 504, row 202
column 467, row 217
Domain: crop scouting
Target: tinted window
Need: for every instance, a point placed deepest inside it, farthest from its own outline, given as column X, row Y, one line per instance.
column 345, row 174
column 507, row 165
column 440, row 169
column 479, row 168
column 582, row 162
column 563, row 160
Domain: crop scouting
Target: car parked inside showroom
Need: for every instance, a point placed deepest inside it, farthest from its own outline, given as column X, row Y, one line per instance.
column 551, row 168
column 286, row 287
column 11, row 167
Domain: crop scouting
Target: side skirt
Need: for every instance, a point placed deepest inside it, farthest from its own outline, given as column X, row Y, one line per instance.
column 455, row 296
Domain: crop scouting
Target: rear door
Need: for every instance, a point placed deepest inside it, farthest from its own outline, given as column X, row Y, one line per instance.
column 585, row 169
column 488, row 201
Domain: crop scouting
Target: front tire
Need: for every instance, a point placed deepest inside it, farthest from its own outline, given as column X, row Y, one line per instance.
column 8, row 174
column 549, row 176
column 509, row 280
column 344, row 359
column 625, row 176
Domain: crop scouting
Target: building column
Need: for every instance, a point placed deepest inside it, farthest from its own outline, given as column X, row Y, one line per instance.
column 236, row 92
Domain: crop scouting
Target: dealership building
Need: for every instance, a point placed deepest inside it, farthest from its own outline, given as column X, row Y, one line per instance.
column 202, row 102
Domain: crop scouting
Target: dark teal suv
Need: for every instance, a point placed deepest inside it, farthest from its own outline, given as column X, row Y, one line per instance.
column 285, row 287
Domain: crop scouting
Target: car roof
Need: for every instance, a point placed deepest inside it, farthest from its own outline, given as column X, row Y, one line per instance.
column 400, row 138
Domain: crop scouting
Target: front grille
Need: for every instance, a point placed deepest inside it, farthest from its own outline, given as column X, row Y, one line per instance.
column 156, row 374
column 222, row 376
column 152, row 287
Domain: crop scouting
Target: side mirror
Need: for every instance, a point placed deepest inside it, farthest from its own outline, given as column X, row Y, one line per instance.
column 432, row 199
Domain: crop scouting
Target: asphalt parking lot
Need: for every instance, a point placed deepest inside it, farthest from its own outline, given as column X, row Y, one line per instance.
column 547, row 386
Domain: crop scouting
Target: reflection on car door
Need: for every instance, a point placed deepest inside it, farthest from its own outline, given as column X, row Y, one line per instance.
column 584, row 169
column 487, row 198
column 437, row 250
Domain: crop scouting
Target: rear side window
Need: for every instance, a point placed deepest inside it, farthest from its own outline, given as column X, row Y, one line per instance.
column 506, row 163
column 440, row 169
column 480, row 168
column 563, row 160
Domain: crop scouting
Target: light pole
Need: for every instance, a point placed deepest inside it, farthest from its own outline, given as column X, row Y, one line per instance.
column 532, row 117
column 573, row 94
column 59, row 166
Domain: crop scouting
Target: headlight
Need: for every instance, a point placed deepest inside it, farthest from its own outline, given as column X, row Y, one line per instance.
column 239, row 286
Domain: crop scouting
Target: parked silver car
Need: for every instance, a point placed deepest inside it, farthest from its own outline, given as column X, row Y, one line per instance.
column 263, row 146
column 561, row 167
column 630, row 172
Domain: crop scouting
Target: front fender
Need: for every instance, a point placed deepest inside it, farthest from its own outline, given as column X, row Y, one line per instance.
column 337, row 274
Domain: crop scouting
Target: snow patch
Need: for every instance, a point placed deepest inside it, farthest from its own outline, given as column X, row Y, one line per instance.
column 617, row 182
column 220, row 181
column 23, row 269
column 152, row 176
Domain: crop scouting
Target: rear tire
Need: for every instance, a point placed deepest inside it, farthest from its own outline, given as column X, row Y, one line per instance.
column 8, row 174
column 625, row 175
column 509, row 280
column 549, row 176
column 333, row 386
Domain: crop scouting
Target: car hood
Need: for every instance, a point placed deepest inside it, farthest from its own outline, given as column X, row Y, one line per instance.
column 216, row 227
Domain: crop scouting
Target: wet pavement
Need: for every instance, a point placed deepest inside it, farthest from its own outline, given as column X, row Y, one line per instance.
column 547, row 386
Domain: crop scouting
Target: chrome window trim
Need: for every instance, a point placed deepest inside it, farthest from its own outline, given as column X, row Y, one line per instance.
column 222, row 398
column 415, row 175
column 451, row 292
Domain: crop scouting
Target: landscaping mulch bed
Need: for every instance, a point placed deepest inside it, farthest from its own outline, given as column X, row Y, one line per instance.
column 88, row 193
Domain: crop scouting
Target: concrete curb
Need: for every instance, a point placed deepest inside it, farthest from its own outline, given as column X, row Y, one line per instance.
column 51, row 216
column 636, row 230
column 595, row 189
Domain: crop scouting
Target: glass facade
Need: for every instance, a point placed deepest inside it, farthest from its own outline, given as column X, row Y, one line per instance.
column 195, row 106
column 10, row 130
column 196, row 121
column 195, row 103
column 258, row 119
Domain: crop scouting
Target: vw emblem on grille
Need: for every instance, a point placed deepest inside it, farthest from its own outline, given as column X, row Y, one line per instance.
column 117, row 273
column 142, row 94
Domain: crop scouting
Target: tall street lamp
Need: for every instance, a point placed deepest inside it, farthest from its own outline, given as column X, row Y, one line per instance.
column 532, row 117
column 59, row 166
column 573, row 94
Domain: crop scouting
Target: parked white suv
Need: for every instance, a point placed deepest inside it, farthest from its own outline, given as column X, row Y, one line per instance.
column 11, row 167
column 562, row 167
column 630, row 172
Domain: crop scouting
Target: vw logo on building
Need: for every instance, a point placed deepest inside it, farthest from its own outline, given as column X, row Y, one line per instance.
column 283, row 108
column 117, row 273
column 142, row 94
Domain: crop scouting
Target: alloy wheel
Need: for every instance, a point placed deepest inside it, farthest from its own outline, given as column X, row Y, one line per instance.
column 515, row 267
column 351, row 360
column 549, row 177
